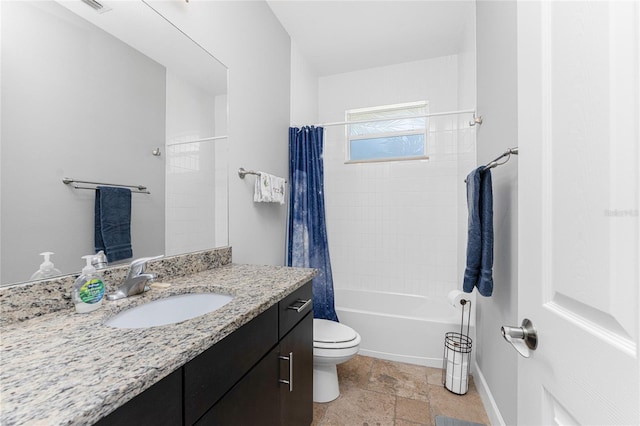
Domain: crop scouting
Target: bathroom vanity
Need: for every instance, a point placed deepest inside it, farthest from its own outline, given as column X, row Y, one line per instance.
column 260, row 374
column 249, row 362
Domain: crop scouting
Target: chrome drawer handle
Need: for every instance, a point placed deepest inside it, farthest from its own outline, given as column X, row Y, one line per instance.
column 302, row 307
column 290, row 381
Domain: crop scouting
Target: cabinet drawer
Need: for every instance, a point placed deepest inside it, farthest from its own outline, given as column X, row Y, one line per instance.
column 294, row 307
column 210, row 375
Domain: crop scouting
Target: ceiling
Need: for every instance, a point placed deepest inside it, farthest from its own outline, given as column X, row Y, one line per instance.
column 343, row 36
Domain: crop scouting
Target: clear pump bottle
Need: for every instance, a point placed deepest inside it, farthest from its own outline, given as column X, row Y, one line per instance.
column 88, row 289
column 47, row 269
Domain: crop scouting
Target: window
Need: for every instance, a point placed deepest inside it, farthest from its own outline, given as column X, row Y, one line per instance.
column 382, row 134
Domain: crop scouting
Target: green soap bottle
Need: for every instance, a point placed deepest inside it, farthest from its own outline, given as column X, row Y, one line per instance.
column 88, row 290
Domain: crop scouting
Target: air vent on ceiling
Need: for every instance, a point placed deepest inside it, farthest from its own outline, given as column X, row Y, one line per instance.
column 99, row 7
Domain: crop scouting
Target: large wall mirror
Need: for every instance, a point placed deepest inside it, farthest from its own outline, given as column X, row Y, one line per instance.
column 116, row 95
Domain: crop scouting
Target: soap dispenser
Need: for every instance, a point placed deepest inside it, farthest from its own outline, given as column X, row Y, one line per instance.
column 47, row 270
column 88, row 289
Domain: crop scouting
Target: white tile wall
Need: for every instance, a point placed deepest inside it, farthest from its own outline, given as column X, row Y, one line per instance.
column 195, row 183
column 221, row 207
column 190, row 200
column 394, row 226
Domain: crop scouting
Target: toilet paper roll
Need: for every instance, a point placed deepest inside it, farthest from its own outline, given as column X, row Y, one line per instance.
column 457, row 357
column 458, row 370
column 455, row 296
column 459, row 385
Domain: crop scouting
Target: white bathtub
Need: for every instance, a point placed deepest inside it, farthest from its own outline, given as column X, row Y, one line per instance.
column 399, row 327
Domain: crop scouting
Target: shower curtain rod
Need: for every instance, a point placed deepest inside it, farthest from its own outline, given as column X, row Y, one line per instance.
column 477, row 120
column 213, row 138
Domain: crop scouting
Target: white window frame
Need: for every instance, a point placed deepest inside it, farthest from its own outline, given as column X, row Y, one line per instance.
column 393, row 107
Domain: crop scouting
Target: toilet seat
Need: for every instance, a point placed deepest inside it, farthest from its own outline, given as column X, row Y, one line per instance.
column 333, row 335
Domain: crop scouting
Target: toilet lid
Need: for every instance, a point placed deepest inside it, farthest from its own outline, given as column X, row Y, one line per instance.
column 326, row 331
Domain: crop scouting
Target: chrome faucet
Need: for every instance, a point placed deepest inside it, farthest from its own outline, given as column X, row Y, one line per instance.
column 99, row 260
column 136, row 280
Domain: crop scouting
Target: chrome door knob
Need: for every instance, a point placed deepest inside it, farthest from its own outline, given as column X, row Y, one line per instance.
column 526, row 334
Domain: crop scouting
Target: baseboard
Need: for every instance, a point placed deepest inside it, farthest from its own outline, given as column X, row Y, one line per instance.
column 417, row 360
column 489, row 403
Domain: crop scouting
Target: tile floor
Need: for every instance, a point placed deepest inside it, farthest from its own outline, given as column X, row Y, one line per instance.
column 376, row 392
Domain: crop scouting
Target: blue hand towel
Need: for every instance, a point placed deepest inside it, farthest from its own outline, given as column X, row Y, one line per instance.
column 113, row 222
column 479, row 271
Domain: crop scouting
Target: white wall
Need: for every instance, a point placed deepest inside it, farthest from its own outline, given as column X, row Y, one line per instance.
column 191, row 111
column 393, row 226
column 467, row 139
column 63, row 115
column 497, row 103
column 304, row 90
column 249, row 40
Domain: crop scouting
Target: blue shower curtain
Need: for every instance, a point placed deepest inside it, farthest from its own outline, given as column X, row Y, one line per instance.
column 307, row 244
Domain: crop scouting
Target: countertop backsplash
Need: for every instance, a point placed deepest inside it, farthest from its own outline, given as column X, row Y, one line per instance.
column 25, row 301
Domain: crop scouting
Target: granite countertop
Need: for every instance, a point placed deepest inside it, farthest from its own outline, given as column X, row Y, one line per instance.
column 69, row 368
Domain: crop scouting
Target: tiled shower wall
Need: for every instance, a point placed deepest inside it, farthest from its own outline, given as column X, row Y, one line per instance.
column 196, row 172
column 394, row 226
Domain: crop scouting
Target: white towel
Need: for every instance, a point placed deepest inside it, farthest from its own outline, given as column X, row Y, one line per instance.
column 277, row 189
column 269, row 189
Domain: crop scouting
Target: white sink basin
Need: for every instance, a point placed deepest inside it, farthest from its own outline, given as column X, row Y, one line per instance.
column 170, row 310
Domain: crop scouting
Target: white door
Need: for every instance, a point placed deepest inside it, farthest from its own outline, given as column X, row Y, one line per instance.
column 579, row 185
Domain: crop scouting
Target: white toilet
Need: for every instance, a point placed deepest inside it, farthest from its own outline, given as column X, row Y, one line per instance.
column 333, row 344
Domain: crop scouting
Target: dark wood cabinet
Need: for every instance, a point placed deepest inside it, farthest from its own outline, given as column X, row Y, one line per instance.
column 261, row 373
column 211, row 374
column 296, row 407
column 279, row 389
column 161, row 404
column 252, row 401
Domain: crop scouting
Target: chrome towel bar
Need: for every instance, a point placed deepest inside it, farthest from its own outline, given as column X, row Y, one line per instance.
column 139, row 189
column 494, row 162
column 242, row 172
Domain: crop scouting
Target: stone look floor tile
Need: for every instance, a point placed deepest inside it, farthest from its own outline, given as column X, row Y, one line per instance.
column 413, row 410
column 464, row 407
column 319, row 411
column 401, row 422
column 375, row 392
column 396, row 378
column 434, row 376
column 357, row 406
column 355, row 372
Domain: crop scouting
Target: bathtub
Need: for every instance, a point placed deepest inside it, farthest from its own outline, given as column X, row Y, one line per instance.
column 399, row 327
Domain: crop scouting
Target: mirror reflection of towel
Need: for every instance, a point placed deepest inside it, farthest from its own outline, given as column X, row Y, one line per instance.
column 479, row 271
column 113, row 222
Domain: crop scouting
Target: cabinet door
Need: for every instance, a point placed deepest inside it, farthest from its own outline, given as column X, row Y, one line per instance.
column 211, row 374
column 252, row 401
column 161, row 404
column 296, row 401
